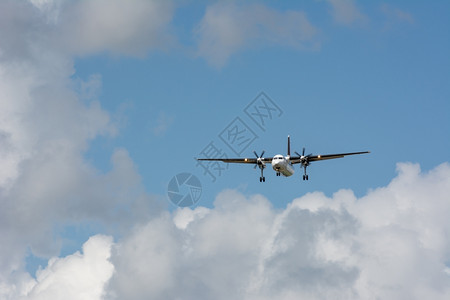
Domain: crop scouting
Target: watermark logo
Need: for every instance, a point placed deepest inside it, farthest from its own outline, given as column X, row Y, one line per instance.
column 212, row 168
column 239, row 134
column 262, row 110
column 184, row 189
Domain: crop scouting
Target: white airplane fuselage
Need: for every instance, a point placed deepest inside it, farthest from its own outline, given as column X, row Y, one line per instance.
column 282, row 165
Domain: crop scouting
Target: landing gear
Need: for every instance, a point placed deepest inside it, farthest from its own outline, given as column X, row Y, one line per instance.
column 278, row 174
column 305, row 176
column 304, row 160
column 262, row 178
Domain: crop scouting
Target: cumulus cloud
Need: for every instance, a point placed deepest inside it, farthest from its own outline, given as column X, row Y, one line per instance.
column 77, row 276
column 228, row 27
column 121, row 27
column 389, row 244
column 84, row 27
column 47, row 121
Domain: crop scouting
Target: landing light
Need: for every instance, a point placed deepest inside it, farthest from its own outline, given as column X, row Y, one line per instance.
column 318, row 156
column 245, row 159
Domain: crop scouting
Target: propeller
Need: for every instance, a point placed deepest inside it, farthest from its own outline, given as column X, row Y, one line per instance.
column 303, row 158
column 259, row 158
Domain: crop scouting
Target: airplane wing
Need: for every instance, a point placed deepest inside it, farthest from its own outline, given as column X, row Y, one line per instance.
column 238, row 160
column 309, row 158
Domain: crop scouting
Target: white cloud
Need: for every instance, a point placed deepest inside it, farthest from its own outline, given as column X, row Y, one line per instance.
column 49, row 8
column 148, row 269
column 211, row 258
column 85, row 27
column 77, row 276
column 121, row 27
column 346, row 12
column 389, row 244
column 46, row 124
column 227, row 28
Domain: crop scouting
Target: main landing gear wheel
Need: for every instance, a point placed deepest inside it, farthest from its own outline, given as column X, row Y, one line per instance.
column 262, row 179
column 305, row 177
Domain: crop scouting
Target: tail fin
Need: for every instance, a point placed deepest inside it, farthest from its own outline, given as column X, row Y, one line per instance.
column 289, row 146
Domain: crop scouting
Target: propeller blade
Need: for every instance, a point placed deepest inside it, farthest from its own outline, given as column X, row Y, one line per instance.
column 259, row 159
column 297, row 153
column 303, row 153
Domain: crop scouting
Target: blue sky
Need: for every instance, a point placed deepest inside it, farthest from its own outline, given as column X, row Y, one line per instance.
column 103, row 102
column 379, row 83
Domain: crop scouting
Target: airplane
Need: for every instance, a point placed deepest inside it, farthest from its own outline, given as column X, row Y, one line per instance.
column 282, row 165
